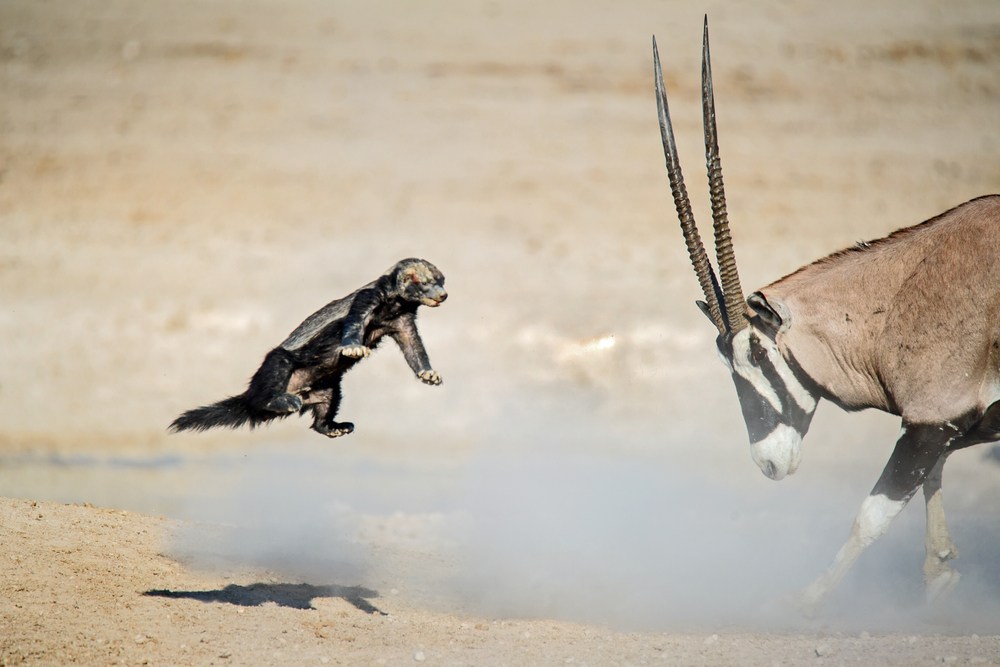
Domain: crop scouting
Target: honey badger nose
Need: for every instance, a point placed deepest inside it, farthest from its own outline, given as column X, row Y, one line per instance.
column 443, row 296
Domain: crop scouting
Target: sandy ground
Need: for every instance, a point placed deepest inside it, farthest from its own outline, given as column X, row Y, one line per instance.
column 181, row 183
column 113, row 599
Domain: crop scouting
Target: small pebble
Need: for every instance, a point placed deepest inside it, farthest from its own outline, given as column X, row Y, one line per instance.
column 419, row 656
column 711, row 639
column 140, row 639
column 823, row 650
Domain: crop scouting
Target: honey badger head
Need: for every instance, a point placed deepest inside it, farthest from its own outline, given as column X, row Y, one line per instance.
column 419, row 281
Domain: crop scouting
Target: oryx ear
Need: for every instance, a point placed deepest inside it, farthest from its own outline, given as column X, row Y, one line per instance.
column 703, row 307
column 773, row 315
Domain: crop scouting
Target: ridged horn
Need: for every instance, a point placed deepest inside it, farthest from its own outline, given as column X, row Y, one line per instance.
column 735, row 306
column 696, row 250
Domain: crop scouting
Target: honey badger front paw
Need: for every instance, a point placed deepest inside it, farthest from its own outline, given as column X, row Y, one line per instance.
column 429, row 377
column 355, row 351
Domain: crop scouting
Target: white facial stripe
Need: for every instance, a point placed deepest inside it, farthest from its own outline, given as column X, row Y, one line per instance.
column 756, row 377
column 799, row 393
column 750, row 373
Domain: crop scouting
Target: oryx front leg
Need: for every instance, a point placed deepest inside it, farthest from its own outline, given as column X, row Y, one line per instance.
column 917, row 451
column 939, row 577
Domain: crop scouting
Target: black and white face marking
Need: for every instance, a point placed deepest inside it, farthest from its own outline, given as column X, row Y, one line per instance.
column 777, row 407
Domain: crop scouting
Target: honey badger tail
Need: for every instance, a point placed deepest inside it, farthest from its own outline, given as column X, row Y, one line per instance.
column 232, row 412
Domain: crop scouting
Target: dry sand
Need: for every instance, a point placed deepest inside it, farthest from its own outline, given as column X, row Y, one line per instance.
column 181, row 183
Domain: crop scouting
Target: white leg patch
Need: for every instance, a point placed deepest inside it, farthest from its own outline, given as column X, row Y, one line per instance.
column 874, row 517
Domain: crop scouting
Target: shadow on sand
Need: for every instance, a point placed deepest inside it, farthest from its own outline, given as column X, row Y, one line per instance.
column 297, row 596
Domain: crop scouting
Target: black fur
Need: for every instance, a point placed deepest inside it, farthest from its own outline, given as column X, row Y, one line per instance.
column 305, row 371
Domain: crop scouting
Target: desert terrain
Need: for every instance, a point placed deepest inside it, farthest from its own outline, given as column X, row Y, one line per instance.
column 182, row 183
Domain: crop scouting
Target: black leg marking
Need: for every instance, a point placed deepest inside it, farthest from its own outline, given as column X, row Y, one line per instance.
column 916, row 453
column 987, row 429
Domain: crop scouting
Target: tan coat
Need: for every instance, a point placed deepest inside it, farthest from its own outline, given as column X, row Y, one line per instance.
column 909, row 324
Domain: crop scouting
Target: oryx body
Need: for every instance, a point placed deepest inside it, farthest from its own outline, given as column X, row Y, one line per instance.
column 908, row 324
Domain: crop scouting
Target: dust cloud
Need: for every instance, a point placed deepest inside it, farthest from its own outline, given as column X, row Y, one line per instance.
column 276, row 517
column 653, row 546
column 564, row 525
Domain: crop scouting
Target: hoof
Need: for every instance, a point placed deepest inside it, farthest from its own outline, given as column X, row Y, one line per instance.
column 783, row 606
column 334, row 430
column 429, row 377
column 284, row 404
column 805, row 602
column 941, row 585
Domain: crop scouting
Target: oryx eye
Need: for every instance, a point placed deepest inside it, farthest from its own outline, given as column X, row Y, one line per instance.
column 757, row 355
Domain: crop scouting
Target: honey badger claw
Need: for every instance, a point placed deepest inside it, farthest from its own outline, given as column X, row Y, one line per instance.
column 355, row 351
column 335, row 430
column 429, row 377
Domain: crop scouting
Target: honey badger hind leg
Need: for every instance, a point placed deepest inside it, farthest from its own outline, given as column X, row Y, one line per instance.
column 325, row 401
column 268, row 389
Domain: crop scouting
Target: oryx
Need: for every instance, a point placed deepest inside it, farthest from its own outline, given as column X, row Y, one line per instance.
column 908, row 324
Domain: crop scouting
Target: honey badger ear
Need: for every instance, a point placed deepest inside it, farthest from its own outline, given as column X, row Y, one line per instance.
column 410, row 274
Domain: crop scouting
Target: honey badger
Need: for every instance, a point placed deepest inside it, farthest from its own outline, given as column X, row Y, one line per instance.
column 304, row 372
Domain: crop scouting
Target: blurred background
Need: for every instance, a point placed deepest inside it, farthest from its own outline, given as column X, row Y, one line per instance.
column 182, row 183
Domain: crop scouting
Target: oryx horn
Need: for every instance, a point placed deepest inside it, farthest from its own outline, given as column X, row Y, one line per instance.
column 735, row 304
column 696, row 250
column 724, row 305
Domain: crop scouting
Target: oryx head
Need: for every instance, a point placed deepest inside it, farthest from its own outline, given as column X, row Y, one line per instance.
column 776, row 406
